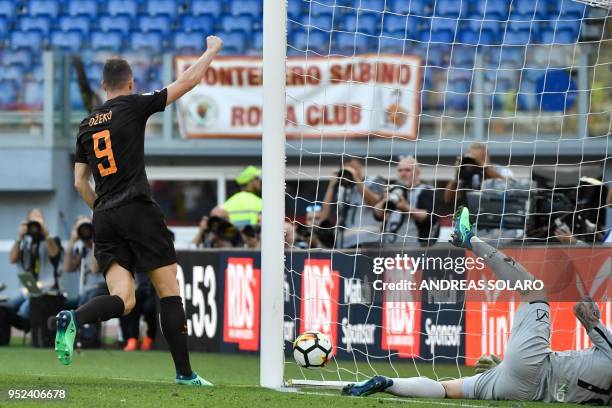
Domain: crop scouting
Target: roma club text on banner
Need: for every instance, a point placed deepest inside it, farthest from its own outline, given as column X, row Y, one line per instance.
column 369, row 94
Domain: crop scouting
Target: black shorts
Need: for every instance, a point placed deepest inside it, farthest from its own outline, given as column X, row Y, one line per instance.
column 134, row 235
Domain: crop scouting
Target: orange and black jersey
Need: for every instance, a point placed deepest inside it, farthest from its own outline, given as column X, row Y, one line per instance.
column 111, row 142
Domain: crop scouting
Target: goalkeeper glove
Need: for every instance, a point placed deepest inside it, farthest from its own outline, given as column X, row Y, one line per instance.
column 487, row 362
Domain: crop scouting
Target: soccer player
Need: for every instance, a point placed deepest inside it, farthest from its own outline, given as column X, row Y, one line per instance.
column 530, row 371
column 130, row 233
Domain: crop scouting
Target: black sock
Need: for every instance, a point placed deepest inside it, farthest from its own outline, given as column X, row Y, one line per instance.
column 174, row 327
column 100, row 309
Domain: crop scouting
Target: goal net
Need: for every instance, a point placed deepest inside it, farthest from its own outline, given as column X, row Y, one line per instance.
column 397, row 113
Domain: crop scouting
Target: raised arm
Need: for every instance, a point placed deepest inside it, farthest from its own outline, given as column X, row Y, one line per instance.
column 193, row 75
column 82, row 173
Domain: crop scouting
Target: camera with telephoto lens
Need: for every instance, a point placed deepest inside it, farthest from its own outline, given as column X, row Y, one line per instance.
column 85, row 231
column 345, row 173
column 34, row 229
column 222, row 228
column 470, row 174
column 251, row 231
column 391, row 201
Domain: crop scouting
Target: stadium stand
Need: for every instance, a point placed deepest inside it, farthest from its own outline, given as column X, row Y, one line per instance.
column 446, row 33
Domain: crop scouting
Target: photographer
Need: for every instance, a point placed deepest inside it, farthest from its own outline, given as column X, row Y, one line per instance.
column 38, row 253
column 471, row 169
column 355, row 198
column 79, row 258
column 407, row 210
column 315, row 232
column 215, row 231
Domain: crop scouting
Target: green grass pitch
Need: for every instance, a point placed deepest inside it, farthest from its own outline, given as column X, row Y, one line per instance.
column 103, row 378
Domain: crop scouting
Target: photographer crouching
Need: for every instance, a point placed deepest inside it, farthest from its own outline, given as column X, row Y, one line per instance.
column 407, row 208
column 37, row 255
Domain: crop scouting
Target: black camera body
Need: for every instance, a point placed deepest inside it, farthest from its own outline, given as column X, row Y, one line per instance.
column 470, row 174
column 223, row 229
column 34, row 229
column 85, row 231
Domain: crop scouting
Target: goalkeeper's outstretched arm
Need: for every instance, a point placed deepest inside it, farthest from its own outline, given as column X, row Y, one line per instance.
column 193, row 75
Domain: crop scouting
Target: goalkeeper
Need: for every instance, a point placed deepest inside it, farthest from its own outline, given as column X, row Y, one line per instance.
column 530, row 371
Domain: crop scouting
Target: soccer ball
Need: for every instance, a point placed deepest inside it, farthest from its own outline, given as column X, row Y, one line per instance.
column 312, row 349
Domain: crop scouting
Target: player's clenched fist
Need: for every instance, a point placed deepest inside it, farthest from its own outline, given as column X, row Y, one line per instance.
column 214, row 43
column 486, row 362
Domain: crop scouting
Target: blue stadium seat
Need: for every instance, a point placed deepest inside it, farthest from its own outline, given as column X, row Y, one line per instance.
column 512, row 57
column 456, row 97
column 32, row 40
column 400, row 26
column 565, row 25
column 67, row 40
column 79, row 23
column 88, row 8
column 412, row 7
column 463, row 56
column 315, row 8
column 257, row 41
column 204, row 23
column 4, row 27
column 233, row 42
column 520, row 26
column 550, row 36
column 365, row 23
column 95, row 72
column 122, row 23
column 491, row 9
column 349, row 43
column 321, row 21
column 8, row 94
column 294, row 8
column 33, row 93
column 154, row 23
column 13, row 72
column 481, row 37
column 214, row 7
column 314, row 40
column 188, row 41
column 520, row 37
column 41, row 23
column 237, row 23
column 43, row 8
column 7, row 9
column 76, row 100
column 152, row 40
column 444, row 24
column 251, row 8
column 162, row 7
column 22, row 57
column 107, row 40
column 129, row 7
column 140, row 72
column 392, row 45
column 479, row 24
column 451, row 8
column 569, row 9
column 370, row 5
column 439, row 36
column 531, row 8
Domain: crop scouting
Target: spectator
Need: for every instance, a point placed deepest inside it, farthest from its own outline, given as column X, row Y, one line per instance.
column 355, row 198
column 251, row 236
column 244, row 207
column 38, row 253
column 315, row 232
column 215, row 231
column 292, row 238
column 407, row 210
column 79, row 258
column 471, row 169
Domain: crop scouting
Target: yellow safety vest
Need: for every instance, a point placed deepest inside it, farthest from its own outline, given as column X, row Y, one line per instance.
column 243, row 208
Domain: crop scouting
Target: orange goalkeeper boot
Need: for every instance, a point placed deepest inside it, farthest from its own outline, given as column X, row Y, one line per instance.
column 132, row 345
column 147, row 344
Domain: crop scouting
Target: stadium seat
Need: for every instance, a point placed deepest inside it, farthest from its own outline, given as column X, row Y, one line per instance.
column 155, row 23
column 95, row 72
column 67, row 40
column 22, row 57
column 400, row 26
column 463, row 56
column 569, row 9
column 365, row 23
column 520, row 37
column 7, row 9
column 83, row 8
column 214, row 7
column 162, row 7
column 456, row 97
column 78, row 23
column 8, row 94
column 550, row 36
column 294, row 8
column 129, row 7
column 491, row 9
column 237, row 23
column 43, row 8
column 322, row 22
column 393, row 45
column 40, row 23
column 370, row 5
column 107, row 40
column 451, row 8
column 32, row 94
column 12, row 72
column 121, row 23
column 152, row 40
column 187, row 41
column 440, row 36
column 233, row 43
column 444, row 24
column 349, row 43
column 32, row 40
column 251, row 8
column 204, row 23
column 313, row 40
column 413, row 7
column 257, row 41
column 531, row 8
column 483, row 37
column 565, row 25
column 314, row 8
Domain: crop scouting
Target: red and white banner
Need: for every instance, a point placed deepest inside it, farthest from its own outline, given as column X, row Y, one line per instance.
column 320, row 294
column 331, row 96
column 242, row 294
